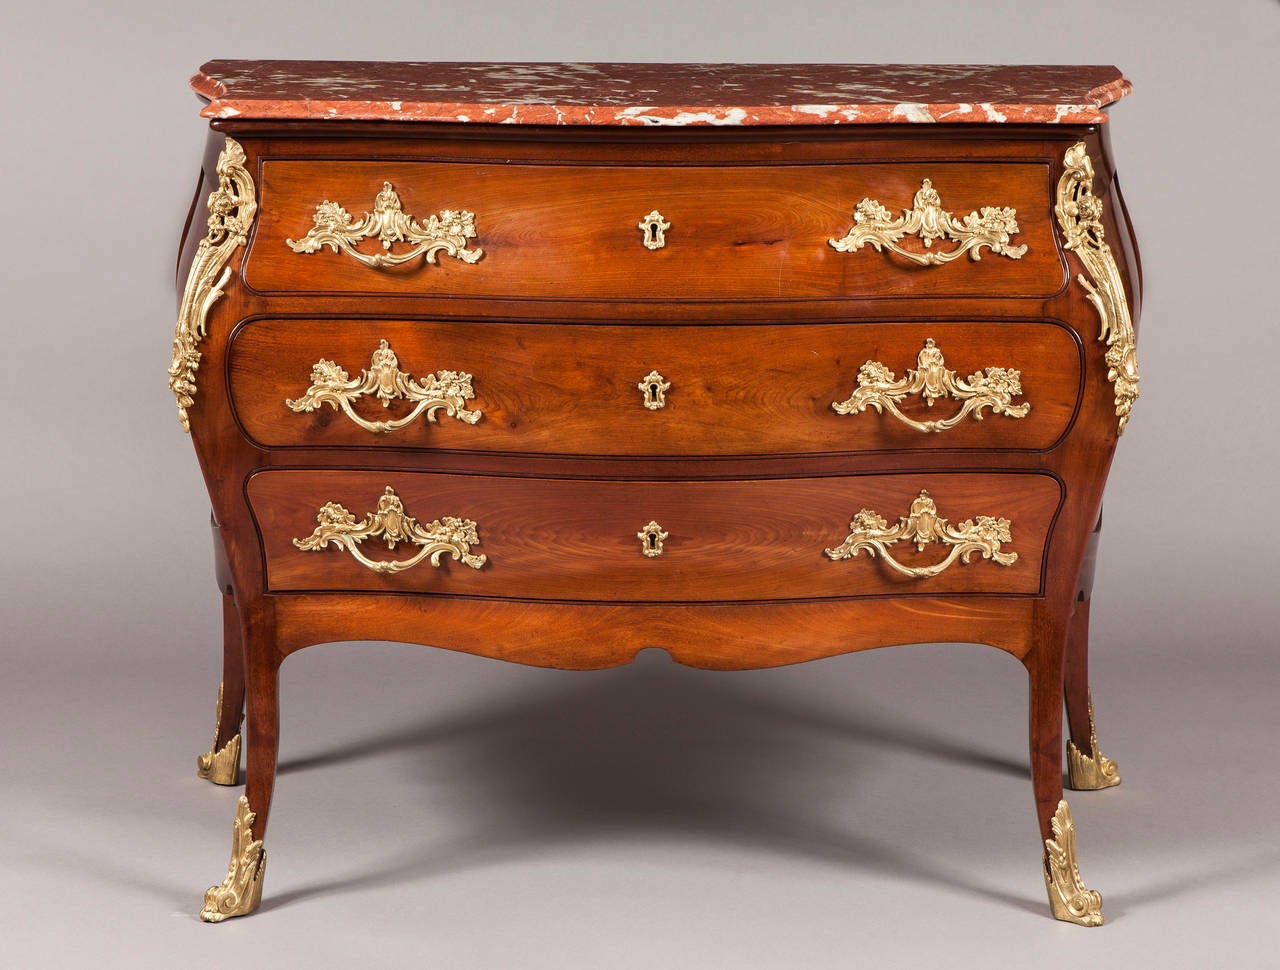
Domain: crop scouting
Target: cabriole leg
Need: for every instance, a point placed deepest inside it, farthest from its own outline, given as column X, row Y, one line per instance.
column 1069, row 899
column 221, row 764
column 241, row 891
column 1087, row 768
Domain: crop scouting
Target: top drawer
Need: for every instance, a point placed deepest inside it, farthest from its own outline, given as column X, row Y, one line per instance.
column 724, row 233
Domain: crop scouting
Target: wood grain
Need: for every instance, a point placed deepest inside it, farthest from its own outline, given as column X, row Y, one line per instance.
column 729, row 541
column 591, row 636
column 754, row 460
column 570, row 231
column 572, row 389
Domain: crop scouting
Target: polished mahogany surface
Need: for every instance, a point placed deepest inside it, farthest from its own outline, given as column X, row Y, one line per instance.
column 725, row 398
column 737, row 233
column 726, row 541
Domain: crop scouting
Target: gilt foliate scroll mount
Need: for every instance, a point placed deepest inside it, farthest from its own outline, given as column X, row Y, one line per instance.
column 870, row 532
column 1069, row 898
column 1079, row 214
column 241, row 891
column 445, row 390
column 390, row 523
column 991, row 227
column 1093, row 771
column 446, row 232
column 231, row 209
column 220, row 765
column 879, row 388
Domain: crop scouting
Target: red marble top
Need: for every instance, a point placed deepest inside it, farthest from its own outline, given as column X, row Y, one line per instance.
column 658, row 94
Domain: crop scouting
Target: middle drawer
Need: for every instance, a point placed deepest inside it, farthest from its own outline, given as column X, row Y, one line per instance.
column 645, row 390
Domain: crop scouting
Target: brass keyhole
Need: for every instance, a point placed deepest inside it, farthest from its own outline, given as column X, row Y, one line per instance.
column 654, row 387
column 654, row 227
column 651, row 538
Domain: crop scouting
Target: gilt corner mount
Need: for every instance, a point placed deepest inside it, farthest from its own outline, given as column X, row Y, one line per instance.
column 231, row 209
column 1079, row 213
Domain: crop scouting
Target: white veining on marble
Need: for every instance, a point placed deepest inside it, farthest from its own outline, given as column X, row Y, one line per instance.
column 730, row 116
column 918, row 113
column 660, row 94
column 821, row 110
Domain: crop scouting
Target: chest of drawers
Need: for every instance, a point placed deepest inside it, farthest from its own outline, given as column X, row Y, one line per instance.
column 553, row 363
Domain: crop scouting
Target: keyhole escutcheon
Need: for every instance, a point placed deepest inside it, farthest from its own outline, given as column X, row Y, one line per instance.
column 654, row 387
column 654, row 227
column 651, row 538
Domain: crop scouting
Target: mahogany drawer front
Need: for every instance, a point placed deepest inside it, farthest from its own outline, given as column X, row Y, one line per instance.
column 731, row 390
column 579, row 540
column 571, row 231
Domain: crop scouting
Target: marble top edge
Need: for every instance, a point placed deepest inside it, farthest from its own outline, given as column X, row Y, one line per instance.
column 546, row 93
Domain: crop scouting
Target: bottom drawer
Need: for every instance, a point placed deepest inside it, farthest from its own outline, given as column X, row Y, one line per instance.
column 675, row 541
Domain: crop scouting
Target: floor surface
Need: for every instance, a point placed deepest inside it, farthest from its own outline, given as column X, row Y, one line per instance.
column 439, row 810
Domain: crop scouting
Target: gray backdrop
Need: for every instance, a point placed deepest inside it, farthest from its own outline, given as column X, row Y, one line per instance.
column 870, row 810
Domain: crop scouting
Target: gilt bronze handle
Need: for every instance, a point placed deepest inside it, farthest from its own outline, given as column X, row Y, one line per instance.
column 991, row 228
column 445, row 390
column 878, row 388
column 446, row 232
column 870, row 532
column 339, row 527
